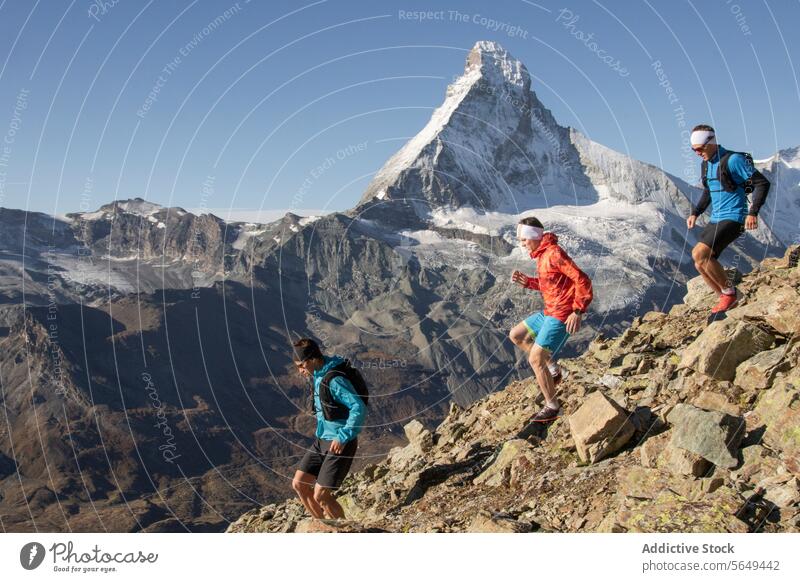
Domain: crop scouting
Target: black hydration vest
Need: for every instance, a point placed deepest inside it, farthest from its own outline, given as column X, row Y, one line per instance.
column 724, row 175
column 331, row 409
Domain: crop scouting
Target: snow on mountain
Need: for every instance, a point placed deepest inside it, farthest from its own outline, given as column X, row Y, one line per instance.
column 491, row 145
column 782, row 209
column 134, row 206
column 492, row 153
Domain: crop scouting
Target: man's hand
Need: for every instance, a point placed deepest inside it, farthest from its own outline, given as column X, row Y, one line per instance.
column 690, row 221
column 573, row 323
column 519, row 278
column 336, row 447
column 751, row 222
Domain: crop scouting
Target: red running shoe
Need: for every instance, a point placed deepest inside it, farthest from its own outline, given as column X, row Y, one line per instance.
column 726, row 302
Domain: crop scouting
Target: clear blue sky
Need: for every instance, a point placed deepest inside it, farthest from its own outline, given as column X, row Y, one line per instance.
column 253, row 100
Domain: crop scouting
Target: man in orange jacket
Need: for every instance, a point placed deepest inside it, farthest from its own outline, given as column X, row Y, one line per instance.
column 567, row 292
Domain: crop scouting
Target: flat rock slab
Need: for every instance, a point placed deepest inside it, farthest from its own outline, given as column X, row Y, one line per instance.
column 713, row 435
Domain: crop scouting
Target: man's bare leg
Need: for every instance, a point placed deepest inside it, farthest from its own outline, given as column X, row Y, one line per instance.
column 303, row 484
column 521, row 337
column 716, row 271
column 324, row 497
column 538, row 359
column 709, row 267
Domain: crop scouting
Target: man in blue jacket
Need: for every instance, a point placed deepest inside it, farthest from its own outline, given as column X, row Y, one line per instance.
column 340, row 413
column 727, row 178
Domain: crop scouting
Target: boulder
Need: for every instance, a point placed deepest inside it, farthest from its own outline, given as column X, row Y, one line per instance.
column 498, row 473
column 776, row 305
column 600, row 427
column 758, row 372
column 698, row 294
column 418, row 435
column 781, row 490
column 713, row 435
column 778, row 409
column 783, row 434
column 772, row 403
column 679, row 461
column 724, row 345
column 715, row 401
column 420, row 441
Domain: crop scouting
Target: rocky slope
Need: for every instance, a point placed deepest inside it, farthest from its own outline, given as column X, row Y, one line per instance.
column 678, row 424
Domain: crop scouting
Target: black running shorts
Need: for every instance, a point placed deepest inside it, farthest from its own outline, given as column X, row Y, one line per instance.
column 719, row 235
column 329, row 469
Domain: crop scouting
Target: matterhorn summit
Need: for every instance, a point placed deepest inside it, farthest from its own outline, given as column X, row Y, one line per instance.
column 491, row 145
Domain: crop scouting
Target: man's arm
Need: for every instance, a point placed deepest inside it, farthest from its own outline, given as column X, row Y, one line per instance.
column 342, row 392
column 760, row 186
column 702, row 204
column 583, row 284
column 532, row 283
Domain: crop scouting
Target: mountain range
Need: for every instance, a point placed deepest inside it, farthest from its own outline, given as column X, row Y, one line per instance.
column 146, row 381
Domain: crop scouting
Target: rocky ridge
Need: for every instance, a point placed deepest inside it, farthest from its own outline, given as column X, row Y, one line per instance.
column 659, row 434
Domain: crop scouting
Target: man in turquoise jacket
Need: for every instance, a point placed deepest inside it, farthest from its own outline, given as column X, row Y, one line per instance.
column 340, row 413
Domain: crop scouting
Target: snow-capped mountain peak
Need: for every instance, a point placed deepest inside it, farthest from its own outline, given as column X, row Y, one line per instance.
column 490, row 145
column 496, row 65
column 135, row 206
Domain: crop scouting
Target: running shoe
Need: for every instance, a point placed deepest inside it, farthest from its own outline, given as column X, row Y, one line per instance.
column 547, row 414
column 726, row 302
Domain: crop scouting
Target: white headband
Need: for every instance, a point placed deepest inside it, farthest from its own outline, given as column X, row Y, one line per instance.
column 529, row 232
column 702, row 137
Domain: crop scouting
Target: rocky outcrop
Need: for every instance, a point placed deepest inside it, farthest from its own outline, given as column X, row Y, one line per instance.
column 723, row 346
column 600, row 427
column 704, row 454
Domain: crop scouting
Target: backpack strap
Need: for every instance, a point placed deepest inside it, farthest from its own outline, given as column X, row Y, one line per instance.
column 703, row 172
column 325, row 398
column 724, row 174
